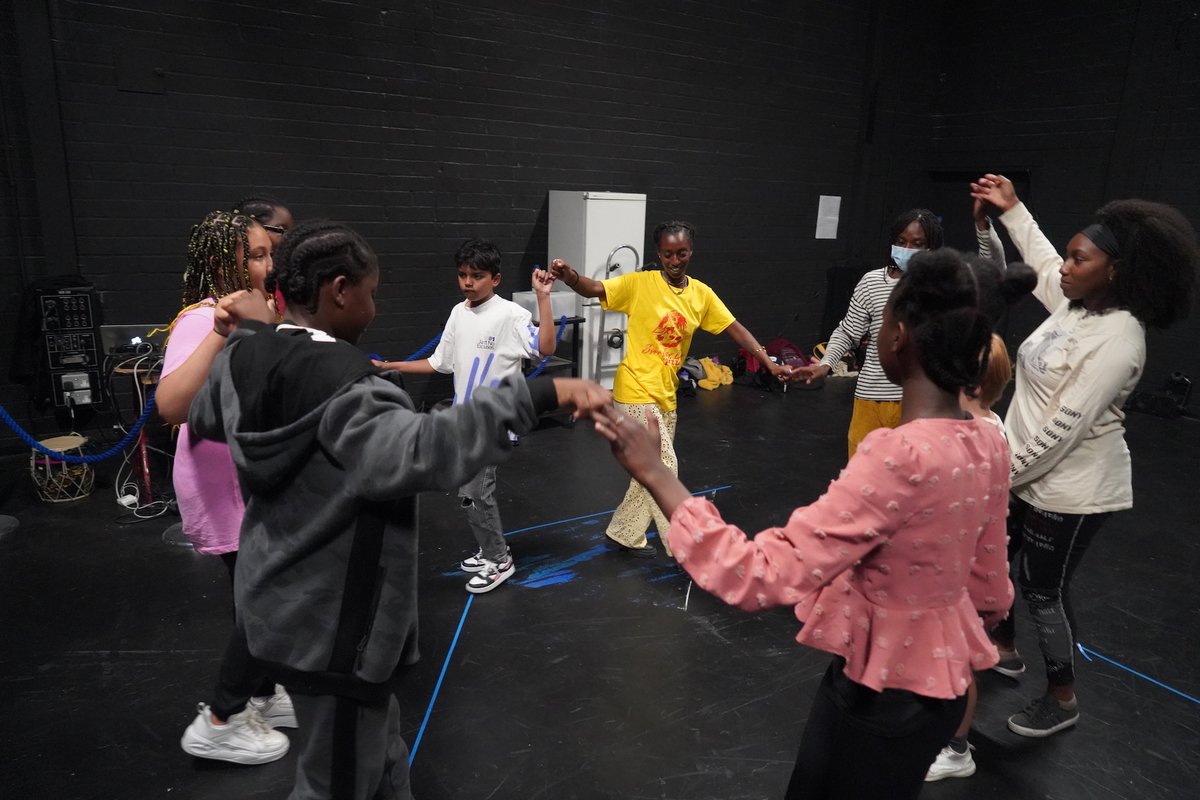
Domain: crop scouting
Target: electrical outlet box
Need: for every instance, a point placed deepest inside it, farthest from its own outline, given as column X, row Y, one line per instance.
column 75, row 380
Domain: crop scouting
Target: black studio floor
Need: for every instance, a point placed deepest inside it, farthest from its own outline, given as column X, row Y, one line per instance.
column 589, row 675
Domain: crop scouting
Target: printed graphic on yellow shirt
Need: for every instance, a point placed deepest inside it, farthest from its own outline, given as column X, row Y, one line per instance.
column 671, row 330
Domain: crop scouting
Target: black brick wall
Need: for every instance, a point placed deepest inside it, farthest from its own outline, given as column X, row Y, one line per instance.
column 424, row 123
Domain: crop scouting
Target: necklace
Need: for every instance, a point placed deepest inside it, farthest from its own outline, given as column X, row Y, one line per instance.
column 671, row 286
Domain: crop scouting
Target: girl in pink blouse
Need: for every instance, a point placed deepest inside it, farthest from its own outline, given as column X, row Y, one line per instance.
column 891, row 569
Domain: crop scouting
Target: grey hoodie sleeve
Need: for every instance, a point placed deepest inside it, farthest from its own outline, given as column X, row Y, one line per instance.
column 204, row 414
column 389, row 451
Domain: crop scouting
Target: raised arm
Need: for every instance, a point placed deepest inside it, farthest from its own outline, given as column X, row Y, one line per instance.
column 1036, row 250
column 543, row 281
column 177, row 388
column 986, row 240
column 580, row 284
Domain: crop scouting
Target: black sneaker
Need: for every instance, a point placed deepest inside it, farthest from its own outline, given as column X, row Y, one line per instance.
column 645, row 551
column 1010, row 664
column 1042, row 717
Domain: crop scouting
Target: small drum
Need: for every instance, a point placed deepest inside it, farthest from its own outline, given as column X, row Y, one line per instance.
column 57, row 481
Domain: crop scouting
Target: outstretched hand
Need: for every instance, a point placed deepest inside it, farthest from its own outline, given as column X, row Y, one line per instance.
column 635, row 447
column 543, row 280
column 247, row 304
column 995, row 189
column 583, row 398
column 810, row 372
column 561, row 269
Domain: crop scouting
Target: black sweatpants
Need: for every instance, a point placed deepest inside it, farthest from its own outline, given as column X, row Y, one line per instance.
column 1045, row 549
column 349, row 749
column 863, row 744
column 241, row 676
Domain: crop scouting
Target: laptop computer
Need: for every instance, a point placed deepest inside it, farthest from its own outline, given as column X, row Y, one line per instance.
column 132, row 339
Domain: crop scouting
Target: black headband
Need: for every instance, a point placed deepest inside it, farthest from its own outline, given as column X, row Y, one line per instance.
column 1103, row 238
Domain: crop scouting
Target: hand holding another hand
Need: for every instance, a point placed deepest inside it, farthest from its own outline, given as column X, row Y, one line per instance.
column 247, row 304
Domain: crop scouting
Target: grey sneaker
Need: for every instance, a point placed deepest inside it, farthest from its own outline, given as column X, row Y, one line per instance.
column 1010, row 664
column 1042, row 717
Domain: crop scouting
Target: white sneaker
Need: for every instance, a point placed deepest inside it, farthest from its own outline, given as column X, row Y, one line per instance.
column 276, row 709
column 244, row 738
column 950, row 764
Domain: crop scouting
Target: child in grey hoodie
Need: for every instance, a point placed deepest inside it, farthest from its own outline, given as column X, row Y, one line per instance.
column 331, row 454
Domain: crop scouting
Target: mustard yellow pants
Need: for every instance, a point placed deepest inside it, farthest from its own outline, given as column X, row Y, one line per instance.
column 869, row 415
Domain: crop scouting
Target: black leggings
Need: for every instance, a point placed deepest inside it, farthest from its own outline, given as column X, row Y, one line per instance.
column 1045, row 548
column 241, row 676
column 864, row 744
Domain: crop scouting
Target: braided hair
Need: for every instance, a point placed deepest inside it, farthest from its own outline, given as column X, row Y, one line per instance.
column 262, row 207
column 314, row 253
column 674, row 227
column 217, row 257
column 950, row 303
column 931, row 226
column 1155, row 277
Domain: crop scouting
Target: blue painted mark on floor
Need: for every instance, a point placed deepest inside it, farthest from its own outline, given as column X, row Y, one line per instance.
column 537, row 572
column 556, row 571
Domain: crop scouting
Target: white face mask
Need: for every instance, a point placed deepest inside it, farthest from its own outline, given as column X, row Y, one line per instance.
column 901, row 255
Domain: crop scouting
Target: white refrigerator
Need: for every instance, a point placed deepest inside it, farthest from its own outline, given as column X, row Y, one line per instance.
column 600, row 234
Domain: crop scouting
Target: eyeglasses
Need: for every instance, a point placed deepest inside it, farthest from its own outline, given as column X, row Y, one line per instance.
column 274, row 229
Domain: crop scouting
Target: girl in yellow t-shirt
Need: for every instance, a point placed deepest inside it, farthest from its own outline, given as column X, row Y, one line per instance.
column 665, row 308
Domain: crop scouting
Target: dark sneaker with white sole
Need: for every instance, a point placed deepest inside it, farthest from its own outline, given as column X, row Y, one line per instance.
column 1043, row 717
column 1010, row 664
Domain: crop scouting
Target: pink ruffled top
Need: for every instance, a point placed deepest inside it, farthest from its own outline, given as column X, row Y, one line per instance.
column 891, row 567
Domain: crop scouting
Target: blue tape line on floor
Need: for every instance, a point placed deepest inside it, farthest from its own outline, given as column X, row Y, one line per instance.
column 698, row 493
column 1089, row 652
column 412, row 755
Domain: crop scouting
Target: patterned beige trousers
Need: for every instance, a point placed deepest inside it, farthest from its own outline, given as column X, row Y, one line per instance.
column 633, row 516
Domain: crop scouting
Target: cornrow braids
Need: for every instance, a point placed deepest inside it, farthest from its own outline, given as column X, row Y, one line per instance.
column 260, row 206
column 674, row 227
column 951, row 302
column 931, row 226
column 314, row 253
column 214, row 266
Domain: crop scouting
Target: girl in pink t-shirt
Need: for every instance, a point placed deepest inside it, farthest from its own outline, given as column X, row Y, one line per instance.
column 892, row 567
column 229, row 256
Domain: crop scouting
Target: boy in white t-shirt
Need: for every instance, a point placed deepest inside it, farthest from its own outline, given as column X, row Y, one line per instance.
column 484, row 341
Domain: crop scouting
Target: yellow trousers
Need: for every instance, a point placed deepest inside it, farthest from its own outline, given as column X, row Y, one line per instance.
column 869, row 415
